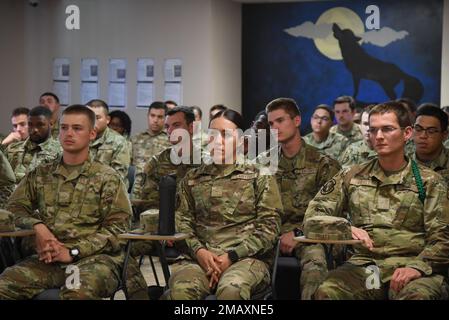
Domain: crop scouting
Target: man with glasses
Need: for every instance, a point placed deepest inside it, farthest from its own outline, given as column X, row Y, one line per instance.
column 399, row 209
column 344, row 108
column 429, row 134
column 332, row 144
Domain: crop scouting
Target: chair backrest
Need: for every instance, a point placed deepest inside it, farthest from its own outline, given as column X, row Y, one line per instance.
column 285, row 277
column 131, row 177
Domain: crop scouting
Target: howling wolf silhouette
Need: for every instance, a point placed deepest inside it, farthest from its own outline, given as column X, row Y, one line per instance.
column 364, row 66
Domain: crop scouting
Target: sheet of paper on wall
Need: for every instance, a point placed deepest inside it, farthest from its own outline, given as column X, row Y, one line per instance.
column 117, row 94
column 61, row 69
column 117, row 70
column 62, row 90
column 145, row 94
column 173, row 91
column 173, row 70
column 89, row 91
column 145, row 70
column 89, row 70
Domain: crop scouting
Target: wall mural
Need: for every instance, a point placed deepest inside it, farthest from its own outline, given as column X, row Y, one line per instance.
column 313, row 52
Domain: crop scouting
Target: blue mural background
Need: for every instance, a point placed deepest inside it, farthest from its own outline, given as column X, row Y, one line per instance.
column 276, row 64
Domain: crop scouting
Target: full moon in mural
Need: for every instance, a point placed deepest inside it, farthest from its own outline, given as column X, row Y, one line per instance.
column 346, row 19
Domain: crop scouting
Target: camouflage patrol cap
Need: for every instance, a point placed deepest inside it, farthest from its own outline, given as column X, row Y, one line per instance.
column 327, row 228
column 6, row 221
column 149, row 221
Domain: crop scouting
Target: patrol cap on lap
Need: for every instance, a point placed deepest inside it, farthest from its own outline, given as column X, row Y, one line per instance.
column 6, row 221
column 149, row 221
column 327, row 228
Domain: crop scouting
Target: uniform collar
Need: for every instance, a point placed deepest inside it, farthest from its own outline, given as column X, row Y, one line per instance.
column 440, row 162
column 61, row 170
column 397, row 178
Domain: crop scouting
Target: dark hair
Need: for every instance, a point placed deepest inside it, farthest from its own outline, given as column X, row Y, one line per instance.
column 409, row 103
column 432, row 110
column 327, row 108
column 50, row 94
column 401, row 112
column 170, row 102
column 18, row 111
column 124, row 118
column 157, row 105
column 198, row 109
column 445, row 108
column 346, row 99
column 368, row 108
column 286, row 104
column 188, row 113
column 40, row 111
column 97, row 103
column 261, row 121
column 220, row 107
column 230, row 115
column 81, row 109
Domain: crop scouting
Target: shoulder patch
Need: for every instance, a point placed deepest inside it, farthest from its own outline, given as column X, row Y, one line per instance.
column 328, row 187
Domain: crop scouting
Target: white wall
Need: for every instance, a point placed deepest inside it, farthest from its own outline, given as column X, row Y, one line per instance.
column 12, row 84
column 205, row 34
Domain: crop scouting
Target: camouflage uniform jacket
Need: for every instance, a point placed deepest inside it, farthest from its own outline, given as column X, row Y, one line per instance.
column 55, row 130
column 334, row 145
column 406, row 232
column 112, row 150
column 159, row 166
column 26, row 155
column 144, row 146
column 353, row 135
column 86, row 209
column 7, row 180
column 230, row 208
column 299, row 179
column 357, row 153
column 440, row 164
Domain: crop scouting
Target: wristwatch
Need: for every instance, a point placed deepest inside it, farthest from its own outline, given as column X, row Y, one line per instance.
column 75, row 254
column 298, row 232
column 233, row 256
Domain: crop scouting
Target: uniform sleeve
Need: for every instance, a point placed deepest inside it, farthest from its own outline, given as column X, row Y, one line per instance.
column 7, row 176
column 116, row 213
column 121, row 161
column 146, row 186
column 327, row 170
column 331, row 200
column 268, row 222
column 185, row 217
column 23, row 202
column 435, row 255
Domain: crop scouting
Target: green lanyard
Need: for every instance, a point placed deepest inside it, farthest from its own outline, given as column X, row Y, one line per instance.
column 419, row 183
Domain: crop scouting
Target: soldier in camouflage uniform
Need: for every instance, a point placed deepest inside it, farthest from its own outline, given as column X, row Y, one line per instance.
column 38, row 148
column 429, row 133
column 7, row 180
column 332, row 144
column 360, row 151
column 19, row 120
column 161, row 165
column 402, row 219
column 77, row 207
column 232, row 215
column 109, row 147
column 302, row 171
column 344, row 108
column 149, row 143
column 51, row 101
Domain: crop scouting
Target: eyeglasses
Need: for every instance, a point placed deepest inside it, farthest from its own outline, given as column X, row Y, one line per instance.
column 385, row 130
column 430, row 131
column 324, row 118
